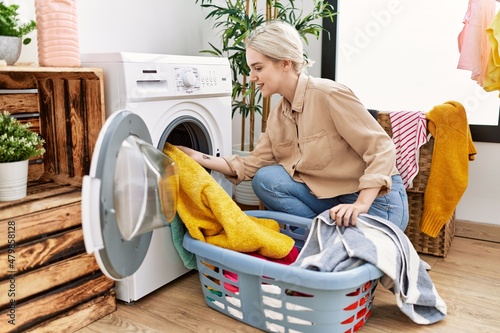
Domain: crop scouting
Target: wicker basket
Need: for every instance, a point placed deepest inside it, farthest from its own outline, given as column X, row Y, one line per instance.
column 423, row 243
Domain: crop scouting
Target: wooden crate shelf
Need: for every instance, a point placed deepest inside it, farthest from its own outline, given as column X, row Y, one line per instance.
column 57, row 286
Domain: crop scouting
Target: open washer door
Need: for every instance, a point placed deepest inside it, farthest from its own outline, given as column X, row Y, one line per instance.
column 132, row 189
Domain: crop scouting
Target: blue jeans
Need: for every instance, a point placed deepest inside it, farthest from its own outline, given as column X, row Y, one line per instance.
column 279, row 192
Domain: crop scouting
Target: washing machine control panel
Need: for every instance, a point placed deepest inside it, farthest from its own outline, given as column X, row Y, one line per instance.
column 200, row 79
column 187, row 79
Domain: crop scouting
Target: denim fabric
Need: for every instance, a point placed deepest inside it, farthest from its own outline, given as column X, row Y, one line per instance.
column 279, row 192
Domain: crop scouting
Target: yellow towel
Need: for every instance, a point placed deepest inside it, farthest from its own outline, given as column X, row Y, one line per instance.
column 449, row 173
column 211, row 216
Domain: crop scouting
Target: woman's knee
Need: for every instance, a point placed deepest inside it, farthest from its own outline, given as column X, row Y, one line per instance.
column 266, row 176
column 259, row 180
column 261, row 174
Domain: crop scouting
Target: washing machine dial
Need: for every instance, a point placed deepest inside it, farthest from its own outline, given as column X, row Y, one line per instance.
column 188, row 79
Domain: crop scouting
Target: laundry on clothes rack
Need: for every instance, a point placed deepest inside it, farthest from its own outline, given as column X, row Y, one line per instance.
column 473, row 43
column 492, row 79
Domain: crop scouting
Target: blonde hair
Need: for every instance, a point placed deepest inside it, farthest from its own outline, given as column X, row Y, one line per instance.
column 279, row 40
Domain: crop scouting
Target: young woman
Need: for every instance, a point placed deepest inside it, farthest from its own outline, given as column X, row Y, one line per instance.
column 322, row 149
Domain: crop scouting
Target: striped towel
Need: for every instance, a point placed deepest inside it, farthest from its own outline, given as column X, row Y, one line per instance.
column 409, row 133
column 330, row 248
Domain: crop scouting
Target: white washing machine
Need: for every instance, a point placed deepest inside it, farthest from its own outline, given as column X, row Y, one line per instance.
column 183, row 100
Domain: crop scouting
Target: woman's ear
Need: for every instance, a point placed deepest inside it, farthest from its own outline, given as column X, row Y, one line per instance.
column 286, row 64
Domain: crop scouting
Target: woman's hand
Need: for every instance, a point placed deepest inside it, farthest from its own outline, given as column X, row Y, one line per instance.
column 347, row 214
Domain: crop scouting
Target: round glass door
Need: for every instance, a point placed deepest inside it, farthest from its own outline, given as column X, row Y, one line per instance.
column 131, row 189
column 145, row 188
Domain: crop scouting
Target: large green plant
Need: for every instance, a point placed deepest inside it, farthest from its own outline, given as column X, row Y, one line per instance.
column 17, row 141
column 10, row 24
column 235, row 19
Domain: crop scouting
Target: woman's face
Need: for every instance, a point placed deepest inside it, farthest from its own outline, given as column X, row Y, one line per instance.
column 266, row 73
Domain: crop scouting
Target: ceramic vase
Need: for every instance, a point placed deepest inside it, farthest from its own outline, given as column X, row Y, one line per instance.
column 13, row 180
column 10, row 49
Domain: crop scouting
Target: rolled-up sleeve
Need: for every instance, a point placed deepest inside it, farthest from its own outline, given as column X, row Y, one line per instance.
column 368, row 139
column 245, row 167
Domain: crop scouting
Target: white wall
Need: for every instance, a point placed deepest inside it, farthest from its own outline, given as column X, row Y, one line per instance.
column 26, row 12
column 409, row 63
column 403, row 55
column 153, row 26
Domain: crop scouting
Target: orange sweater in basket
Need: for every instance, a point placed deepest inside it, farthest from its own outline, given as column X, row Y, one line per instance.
column 448, row 179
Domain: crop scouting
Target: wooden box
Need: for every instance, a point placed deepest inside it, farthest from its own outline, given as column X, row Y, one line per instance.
column 48, row 282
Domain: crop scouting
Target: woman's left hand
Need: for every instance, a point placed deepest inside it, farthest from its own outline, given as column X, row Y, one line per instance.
column 347, row 214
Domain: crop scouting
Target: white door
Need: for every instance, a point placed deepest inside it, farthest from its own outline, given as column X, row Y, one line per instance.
column 131, row 189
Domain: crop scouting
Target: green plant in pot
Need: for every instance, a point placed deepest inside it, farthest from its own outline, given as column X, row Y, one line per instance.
column 12, row 32
column 17, row 145
column 235, row 20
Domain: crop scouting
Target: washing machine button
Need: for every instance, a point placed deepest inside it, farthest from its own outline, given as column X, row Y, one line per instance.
column 188, row 79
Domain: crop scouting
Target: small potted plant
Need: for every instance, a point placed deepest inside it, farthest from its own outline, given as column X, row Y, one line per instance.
column 17, row 145
column 12, row 32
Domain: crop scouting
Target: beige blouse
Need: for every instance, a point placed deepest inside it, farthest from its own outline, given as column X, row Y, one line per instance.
column 326, row 139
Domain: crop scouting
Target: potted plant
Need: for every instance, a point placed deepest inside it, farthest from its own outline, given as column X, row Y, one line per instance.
column 12, row 31
column 235, row 20
column 17, row 145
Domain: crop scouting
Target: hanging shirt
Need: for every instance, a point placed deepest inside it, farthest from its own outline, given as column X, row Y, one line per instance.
column 473, row 43
column 492, row 79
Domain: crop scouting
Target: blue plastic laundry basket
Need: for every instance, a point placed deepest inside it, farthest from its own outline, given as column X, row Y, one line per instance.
column 279, row 298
